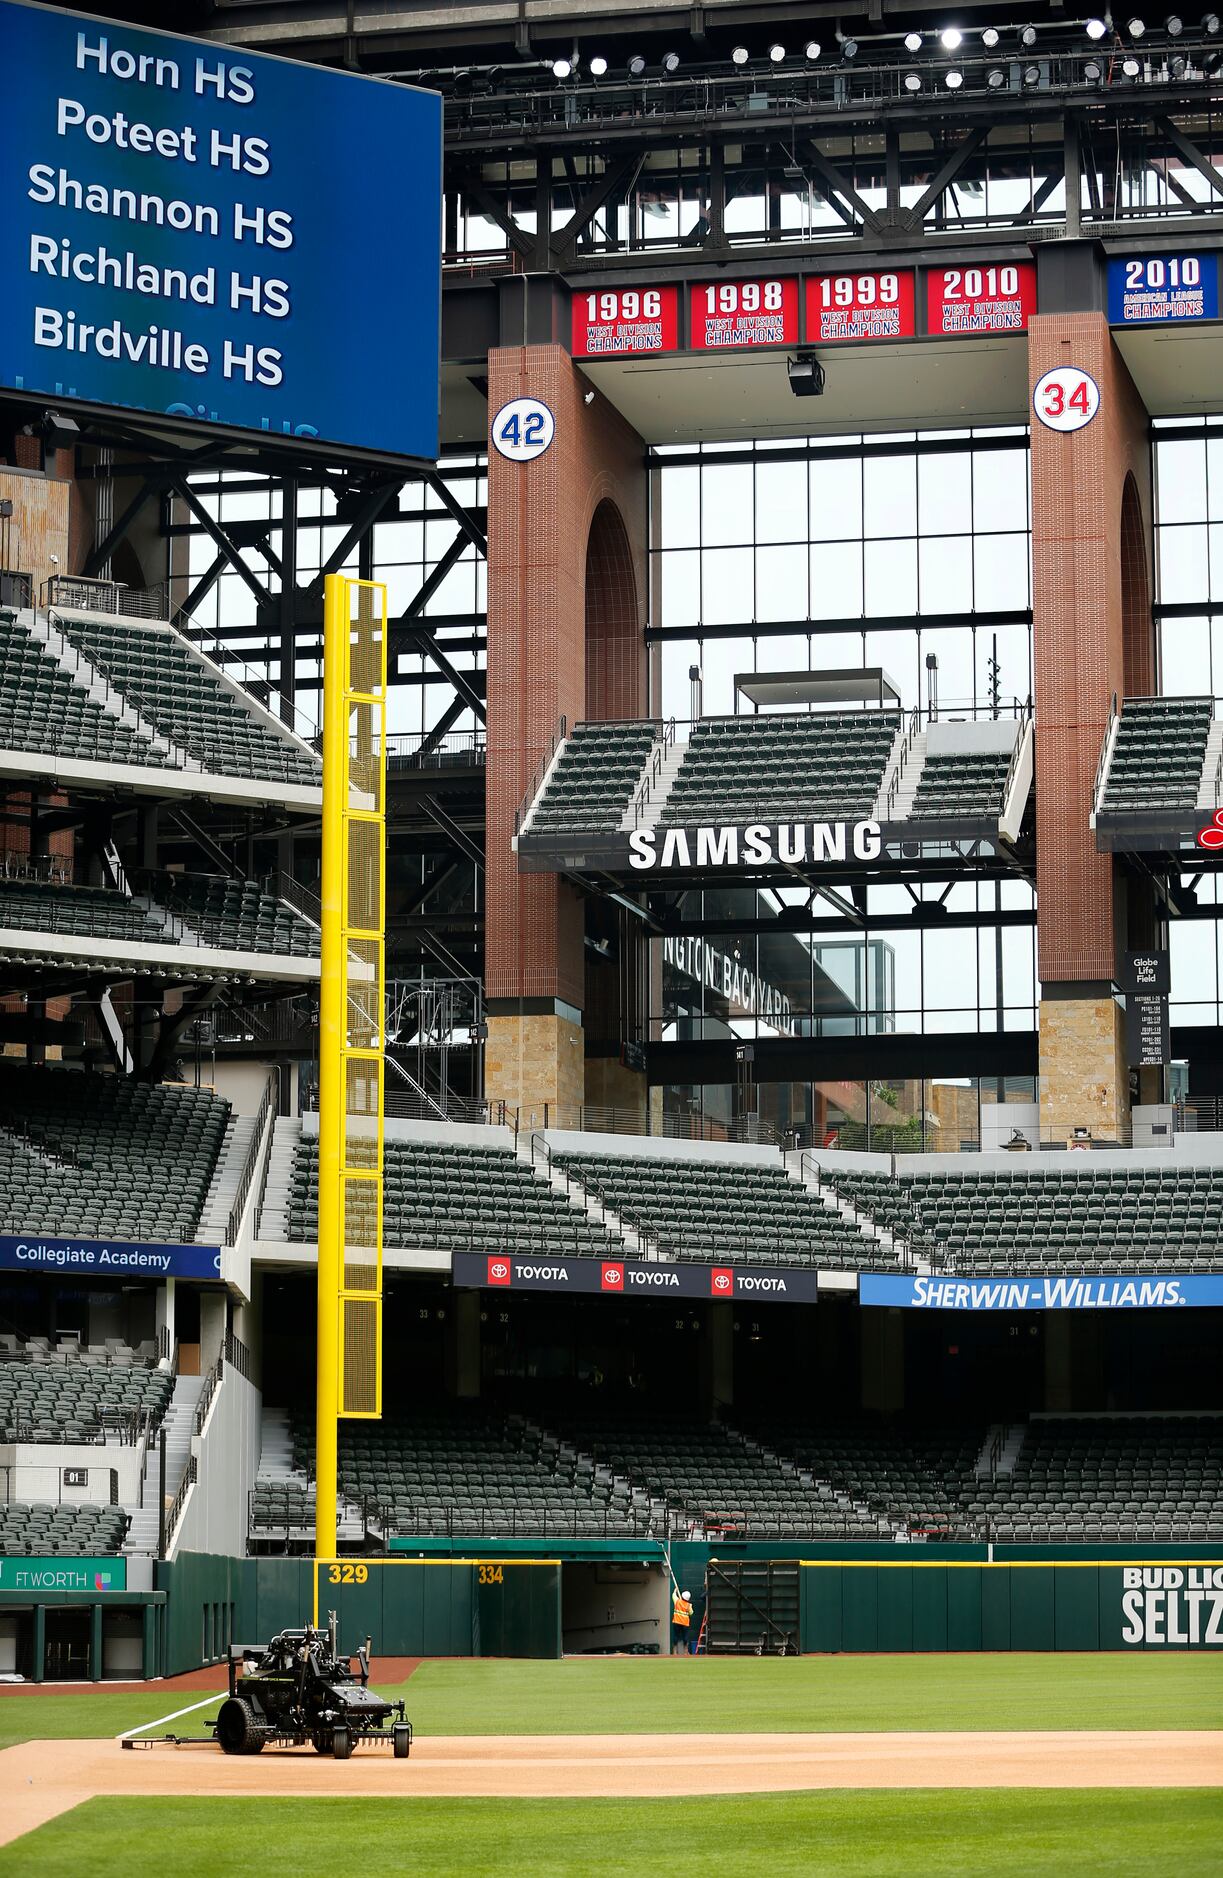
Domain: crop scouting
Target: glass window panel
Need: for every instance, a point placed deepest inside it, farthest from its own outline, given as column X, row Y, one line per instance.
column 781, row 583
column 726, row 586
column 944, row 495
column 1183, row 573
column 889, row 485
column 781, row 502
column 1000, row 573
column 897, row 654
column 945, row 574
column 836, row 580
column 677, row 657
column 720, row 660
column 679, row 506
column 890, row 580
column 836, row 500
column 681, row 588
column 999, row 490
column 1180, row 468
column 727, row 510
column 953, row 649
column 1192, row 944
column 1214, row 479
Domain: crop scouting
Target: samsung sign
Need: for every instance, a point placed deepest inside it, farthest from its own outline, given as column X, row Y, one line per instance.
column 942, row 1293
column 218, row 237
column 106, row 1258
column 758, row 844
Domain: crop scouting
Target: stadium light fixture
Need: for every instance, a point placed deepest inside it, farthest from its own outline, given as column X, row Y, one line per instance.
column 561, row 68
column 1095, row 29
column 812, row 49
column 1210, row 24
column 1174, row 25
column 1093, row 71
column 636, row 66
column 912, row 81
column 995, row 78
column 738, row 55
column 670, row 62
column 1177, row 68
column 598, row 66
column 777, row 53
column 912, row 42
column 989, row 37
column 1027, row 38
column 849, row 49
column 1136, row 28
column 951, row 38
column 1031, row 74
column 1130, row 68
column 806, row 375
column 1212, row 64
column 953, row 80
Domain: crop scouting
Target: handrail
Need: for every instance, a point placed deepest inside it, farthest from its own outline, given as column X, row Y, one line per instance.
column 540, row 771
column 658, row 754
column 1103, row 762
column 268, row 1106
column 212, row 1382
column 191, row 1474
column 1016, row 752
column 909, row 738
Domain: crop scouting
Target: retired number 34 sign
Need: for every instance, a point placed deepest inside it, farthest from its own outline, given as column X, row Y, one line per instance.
column 1066, row 398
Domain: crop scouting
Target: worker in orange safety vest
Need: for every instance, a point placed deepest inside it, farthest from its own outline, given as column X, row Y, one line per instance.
column 681, row 1623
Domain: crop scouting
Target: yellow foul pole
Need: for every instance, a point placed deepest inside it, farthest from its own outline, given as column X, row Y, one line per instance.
column 331, row 1045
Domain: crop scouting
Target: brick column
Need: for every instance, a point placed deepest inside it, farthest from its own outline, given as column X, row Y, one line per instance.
column 540, row 519
column 1092, row 641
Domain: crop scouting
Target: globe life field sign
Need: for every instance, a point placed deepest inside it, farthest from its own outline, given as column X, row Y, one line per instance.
column 218, row 237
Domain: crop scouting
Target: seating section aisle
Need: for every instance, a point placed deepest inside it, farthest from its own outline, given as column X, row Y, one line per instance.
column 967, row 783
column 1114, row 1220
column 1158, row 755
column 594, row 779
column 916, row 1474
column 105, row 1155
column 1079, row 1478
column 719, row 1209
column 458, row 1197
column 236, row 915
column 76, row 912
column 72, row 1530
column 42, row 709
column 172, row 688
column 818, row 766
column 444, row 1470
column 71, row 1400
column 718, row 1481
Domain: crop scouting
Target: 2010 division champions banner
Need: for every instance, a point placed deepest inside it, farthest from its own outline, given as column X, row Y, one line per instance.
column 217, row 236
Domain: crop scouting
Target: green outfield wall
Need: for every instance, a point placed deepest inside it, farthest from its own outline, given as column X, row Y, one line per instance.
column 1164, row 1603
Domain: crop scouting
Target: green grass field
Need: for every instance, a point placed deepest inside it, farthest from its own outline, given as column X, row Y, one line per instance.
column 1021, row 1833
column 734, row 1695
column 1096, row 1834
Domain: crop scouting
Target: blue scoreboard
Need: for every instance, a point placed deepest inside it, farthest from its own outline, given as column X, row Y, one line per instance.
column 218, row 237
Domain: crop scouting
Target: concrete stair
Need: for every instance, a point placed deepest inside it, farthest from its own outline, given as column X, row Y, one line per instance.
column 802, row 1170
column 90, row 680
column 901, row 775
column 274, row 1212
column 214, row 1220
column 572, row 1190
column 650, row 796
column 179, row 1427
column 1208, row 794
column 1006, row 1439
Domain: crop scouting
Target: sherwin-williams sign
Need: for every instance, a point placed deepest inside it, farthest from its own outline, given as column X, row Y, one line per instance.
column 86, row 1575
column 105, row 1258
column 939, row 1292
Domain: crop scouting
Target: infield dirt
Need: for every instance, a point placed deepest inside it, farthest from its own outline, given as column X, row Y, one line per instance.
column 41, row 1779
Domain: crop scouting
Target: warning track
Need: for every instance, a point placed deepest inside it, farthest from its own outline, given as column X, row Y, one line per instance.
column 41, row 1779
